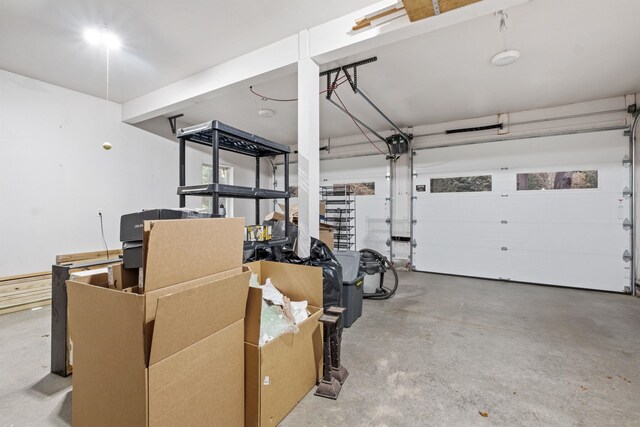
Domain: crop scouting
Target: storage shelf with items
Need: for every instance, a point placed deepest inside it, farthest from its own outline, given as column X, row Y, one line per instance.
column 341, row 214
column 219, row 136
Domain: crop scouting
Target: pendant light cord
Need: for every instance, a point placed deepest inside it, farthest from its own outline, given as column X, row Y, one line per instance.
column 107, row 101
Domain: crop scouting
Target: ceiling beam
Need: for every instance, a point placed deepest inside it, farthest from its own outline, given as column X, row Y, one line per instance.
column 327, row 42
column 272, row 61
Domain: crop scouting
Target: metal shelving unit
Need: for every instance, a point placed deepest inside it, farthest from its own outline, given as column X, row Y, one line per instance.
column 219, row 136
column 341, row 214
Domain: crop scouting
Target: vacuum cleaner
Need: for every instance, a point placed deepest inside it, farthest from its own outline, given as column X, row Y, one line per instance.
column 375, row 265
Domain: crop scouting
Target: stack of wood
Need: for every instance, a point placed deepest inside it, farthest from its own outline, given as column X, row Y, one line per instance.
column 415, row 10
column 27, row 291
column 24, row 292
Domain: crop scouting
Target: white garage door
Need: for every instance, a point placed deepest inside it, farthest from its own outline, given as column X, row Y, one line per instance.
column 546, row 210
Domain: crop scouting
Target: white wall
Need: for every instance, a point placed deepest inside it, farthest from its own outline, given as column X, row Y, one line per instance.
column 55, row 176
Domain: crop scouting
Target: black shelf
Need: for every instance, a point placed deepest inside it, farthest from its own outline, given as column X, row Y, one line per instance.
column 337, row 211
column 235, row 191
column 340, row 213
column 219, row 136
column 342, row 245
column 252, row 246
column 339, row 202
column 232, row 139
column 335, row 194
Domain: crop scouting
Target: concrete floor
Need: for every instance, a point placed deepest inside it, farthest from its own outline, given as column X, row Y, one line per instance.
column 439, row 353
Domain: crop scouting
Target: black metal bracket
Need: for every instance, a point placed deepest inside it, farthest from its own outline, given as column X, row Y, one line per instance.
column 353, row 81
column 172, row 122
column 331, row 86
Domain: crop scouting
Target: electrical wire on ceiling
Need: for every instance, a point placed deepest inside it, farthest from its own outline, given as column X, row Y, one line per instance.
column 334, row 88
column 356, row 123
column 267, row 98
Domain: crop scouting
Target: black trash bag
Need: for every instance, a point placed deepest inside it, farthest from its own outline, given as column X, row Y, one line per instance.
column 275, row 253
column 321, row 256
column 277, row 230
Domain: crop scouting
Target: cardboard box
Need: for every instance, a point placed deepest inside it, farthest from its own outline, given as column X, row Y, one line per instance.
column 326, row 230
column 281, row 372
column 293, row 212
column 274, row 216
column 122, row 278
column 326, row 235
column 173, row 355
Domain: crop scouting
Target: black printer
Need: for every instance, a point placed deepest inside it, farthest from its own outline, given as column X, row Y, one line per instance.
column 132, row 230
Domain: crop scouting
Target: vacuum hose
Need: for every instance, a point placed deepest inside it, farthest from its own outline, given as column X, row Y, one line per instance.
column 382, row 293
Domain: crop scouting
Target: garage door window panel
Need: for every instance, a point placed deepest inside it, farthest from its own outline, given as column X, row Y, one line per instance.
column 462, row 184
column 564, row 180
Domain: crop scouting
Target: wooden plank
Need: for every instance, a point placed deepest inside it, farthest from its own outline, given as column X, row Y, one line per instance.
column 24, row 286
column 418, row 9
column 24, row 277
column 24, row 299
column 17, row 282
column 40, row 296
column 447, row 5
column 83, row 256
column 365, row 22
column 421, row 9
column 23, row 293
column 25, row 306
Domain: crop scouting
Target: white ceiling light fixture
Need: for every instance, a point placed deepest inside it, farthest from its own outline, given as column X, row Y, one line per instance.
column 103, row 37
column 507, row 56
column 266, row 112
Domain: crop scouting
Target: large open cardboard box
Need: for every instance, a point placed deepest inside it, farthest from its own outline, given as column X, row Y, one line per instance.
column 173, row 355
column 281, row 372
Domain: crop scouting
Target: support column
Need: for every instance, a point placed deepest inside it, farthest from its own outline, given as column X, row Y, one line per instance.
column 308, row 147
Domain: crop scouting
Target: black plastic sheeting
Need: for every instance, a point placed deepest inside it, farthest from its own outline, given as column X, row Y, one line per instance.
column 319, row 256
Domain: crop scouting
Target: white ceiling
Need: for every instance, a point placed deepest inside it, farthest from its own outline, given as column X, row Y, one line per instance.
column 572, row 51
column 164, row 40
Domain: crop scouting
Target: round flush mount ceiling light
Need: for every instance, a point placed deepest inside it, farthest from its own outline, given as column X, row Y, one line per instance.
column 266, row 112
column 102, row 37
column 505, row 58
